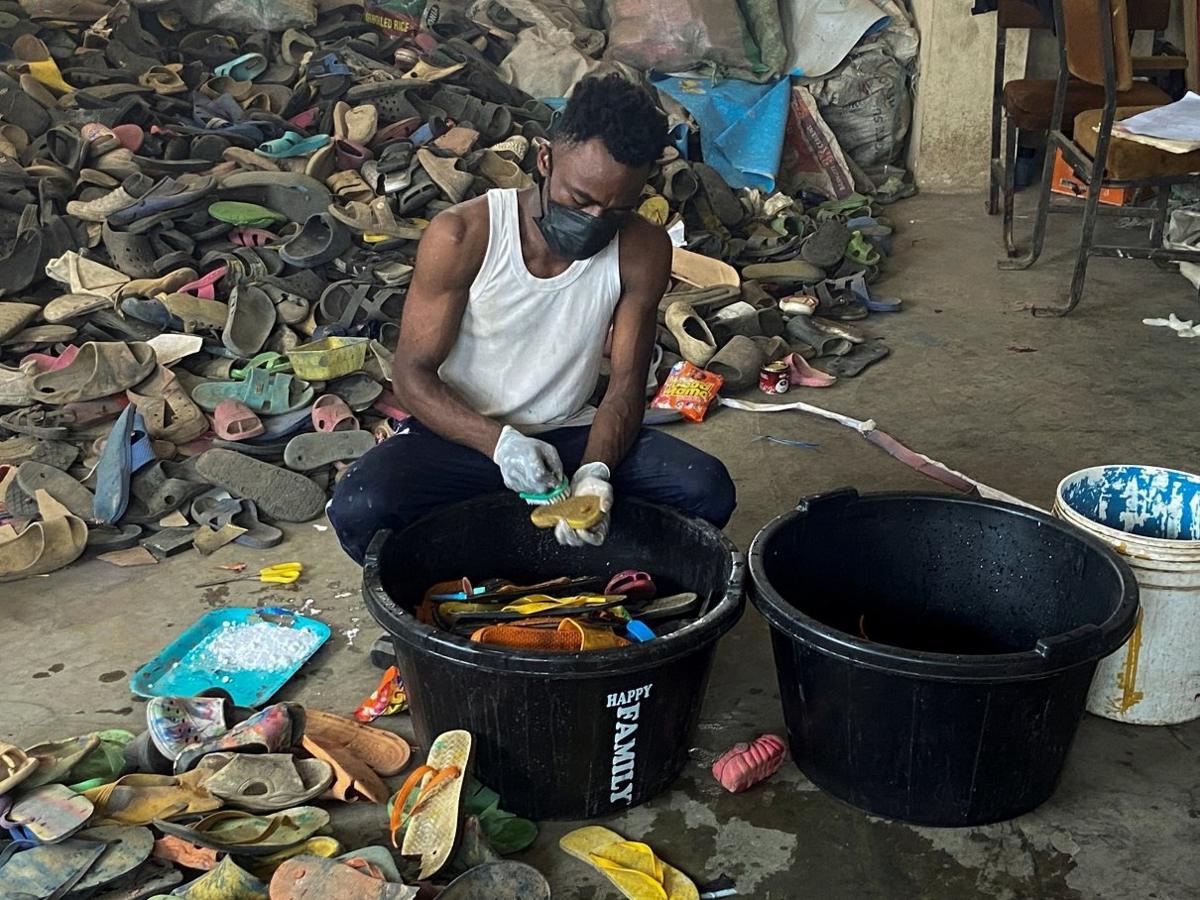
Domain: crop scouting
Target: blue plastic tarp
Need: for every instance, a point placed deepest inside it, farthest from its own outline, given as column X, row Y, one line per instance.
column 741, row 124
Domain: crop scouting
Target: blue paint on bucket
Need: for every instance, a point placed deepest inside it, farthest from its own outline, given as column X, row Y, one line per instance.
column 1142, row 500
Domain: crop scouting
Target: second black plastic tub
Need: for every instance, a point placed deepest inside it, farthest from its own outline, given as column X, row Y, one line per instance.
column 559, row 736
column 934, row 653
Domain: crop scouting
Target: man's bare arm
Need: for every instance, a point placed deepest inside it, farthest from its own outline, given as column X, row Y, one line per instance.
column 645, row 272
column 448, row 259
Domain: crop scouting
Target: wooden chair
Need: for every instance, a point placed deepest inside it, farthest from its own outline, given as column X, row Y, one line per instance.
column 1094, row 48
column 1026, row 104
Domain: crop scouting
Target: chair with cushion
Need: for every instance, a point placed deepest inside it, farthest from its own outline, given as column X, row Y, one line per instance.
column 1094, row 49
column 1026, row 104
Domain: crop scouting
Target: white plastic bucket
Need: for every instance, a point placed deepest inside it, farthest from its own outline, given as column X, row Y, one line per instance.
column 1151, row 516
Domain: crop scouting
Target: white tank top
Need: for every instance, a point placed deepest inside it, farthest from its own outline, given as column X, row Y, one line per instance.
column 529, row 349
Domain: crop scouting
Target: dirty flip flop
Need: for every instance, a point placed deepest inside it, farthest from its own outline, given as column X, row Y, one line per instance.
column 98, row 370
column 15, row 766
column 632, row 867
column 241, row 833
column 281, row 494
column 50, row 813
column 316, row 878
column 126, row 451
column 47, row 870
column 251, row 320
column 56, row 758
column 853, row 363
column 384, row 751
column 501, row 880
column 306, row 452
column 431, row 824
column 34, row 476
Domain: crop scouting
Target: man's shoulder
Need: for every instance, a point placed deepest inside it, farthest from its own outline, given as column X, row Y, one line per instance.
column 645, row 248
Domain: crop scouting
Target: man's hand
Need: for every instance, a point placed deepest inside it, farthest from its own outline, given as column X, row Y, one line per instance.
column 529, row 466
column 592, row 480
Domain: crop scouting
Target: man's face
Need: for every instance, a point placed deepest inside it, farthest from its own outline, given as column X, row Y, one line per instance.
column 587, row 178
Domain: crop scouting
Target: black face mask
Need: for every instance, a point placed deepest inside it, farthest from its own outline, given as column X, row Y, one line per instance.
column 572, row 233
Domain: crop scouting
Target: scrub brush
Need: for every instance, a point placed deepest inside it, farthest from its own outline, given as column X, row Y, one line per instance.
column 559, row 493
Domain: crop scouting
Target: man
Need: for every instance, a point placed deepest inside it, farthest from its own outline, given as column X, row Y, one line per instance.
column 503, row 334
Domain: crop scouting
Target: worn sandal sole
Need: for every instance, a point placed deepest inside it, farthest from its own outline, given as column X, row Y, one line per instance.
column 281, row 494
column 432, row 832
column 306, row 452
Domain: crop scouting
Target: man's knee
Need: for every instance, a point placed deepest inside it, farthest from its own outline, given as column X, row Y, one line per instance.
column 708, row 490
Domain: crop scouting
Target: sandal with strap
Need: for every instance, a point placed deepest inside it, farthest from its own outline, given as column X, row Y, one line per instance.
column 260, row 391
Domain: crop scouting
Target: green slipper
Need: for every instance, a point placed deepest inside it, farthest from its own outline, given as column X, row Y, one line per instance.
column 860, row 250
column 237, row 212
column 104, row 764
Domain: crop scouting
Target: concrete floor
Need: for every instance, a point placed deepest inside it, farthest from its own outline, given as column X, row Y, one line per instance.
column 1100, row 387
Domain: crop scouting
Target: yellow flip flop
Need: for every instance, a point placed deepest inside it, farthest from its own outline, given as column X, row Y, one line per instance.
column 431, row 830
column 632, row 867
column 581, row 513
column 536, row 603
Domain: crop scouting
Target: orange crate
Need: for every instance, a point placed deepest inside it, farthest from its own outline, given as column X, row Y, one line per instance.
column 1063, row 181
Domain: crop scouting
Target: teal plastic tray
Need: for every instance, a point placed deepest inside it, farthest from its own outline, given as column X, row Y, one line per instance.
column 174, row 672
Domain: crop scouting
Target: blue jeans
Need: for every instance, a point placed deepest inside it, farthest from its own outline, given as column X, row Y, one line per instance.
column 415, row 472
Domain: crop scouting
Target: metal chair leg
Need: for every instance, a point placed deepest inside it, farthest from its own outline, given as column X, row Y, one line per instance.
column 1027, row 259
column 997, row 109
column 1091, row 211
column 1010, row 187
column 1160, row 221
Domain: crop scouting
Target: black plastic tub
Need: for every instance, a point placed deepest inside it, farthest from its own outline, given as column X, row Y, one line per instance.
column 559, row 736
column 934, row 653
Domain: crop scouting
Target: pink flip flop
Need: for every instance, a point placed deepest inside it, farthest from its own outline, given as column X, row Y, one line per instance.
column 744, row 765
column 235, row 421
column 205, row 286
column 331, row 413
column 252, row 237
column 305, row 119
column 801, row 373
column 131, row 136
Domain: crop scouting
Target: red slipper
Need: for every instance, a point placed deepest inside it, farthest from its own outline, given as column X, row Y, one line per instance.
column 745, row 765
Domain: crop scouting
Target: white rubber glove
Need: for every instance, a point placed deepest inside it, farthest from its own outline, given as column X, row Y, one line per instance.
column 591, row 480
column 528, row 465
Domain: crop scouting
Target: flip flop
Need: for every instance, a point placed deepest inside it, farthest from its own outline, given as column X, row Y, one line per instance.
column 632, row 867
column 823, row 341
column 789, row 273
column 109, row 538
column 827, row 245
column 315, row 878
column 265, row 782
column 501, row 880
column 50, row 813
column 853, row 363
column 431, row 824
column 307, row 452
column 744, row 765
column 359, row 391
column 282, row 494
column 234, row 421
column 125, row 848
column 226, row 881
column 580, row 513
column 331, row 413
column 104, row 763
column 670, row 607
column 319, row 845
column 251, row 320
column 47, row 870
column 839, row 305
column 56, row 758
column 160, row 489
column 99, row 370
column 243, row 834
column 260, row 391
column 141, row 799
column 34, row 476
column 294, row 195
column 205, row 286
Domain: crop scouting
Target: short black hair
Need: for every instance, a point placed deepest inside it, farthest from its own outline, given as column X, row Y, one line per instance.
column 621, row 114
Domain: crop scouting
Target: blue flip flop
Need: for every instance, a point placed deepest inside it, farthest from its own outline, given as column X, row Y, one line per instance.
column 246, row 67
column 127, row 450
column 292, row 144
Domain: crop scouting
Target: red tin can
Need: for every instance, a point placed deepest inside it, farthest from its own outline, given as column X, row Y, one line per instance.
column 773, row 378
